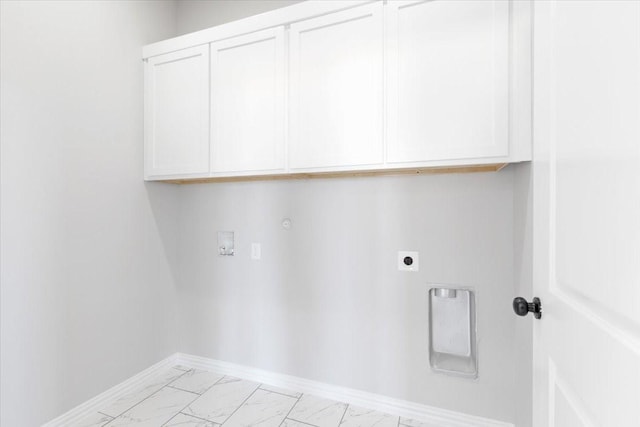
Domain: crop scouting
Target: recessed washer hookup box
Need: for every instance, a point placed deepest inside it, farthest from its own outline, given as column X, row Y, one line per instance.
column 452, row 331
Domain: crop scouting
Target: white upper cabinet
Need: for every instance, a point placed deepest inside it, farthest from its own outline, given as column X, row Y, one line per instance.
column 336, row 89
column 177, row 114
column 247, row 103
column 343, row 86
column 448, row 80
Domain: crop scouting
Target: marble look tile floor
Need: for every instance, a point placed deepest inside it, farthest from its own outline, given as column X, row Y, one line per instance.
column 184, row 397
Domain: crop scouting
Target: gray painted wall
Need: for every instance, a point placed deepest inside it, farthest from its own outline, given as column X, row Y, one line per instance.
column 87, row 248
column 194, row 15
column 326, row 301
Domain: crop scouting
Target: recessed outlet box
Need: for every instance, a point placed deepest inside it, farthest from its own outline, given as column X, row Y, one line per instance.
column 408, row 261
column 226, row 243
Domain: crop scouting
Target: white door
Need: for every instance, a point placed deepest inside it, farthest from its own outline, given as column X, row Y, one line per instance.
column 587, row 213
column 336, row 87
column 448, row 79
column 247, row 103
column 177, row 114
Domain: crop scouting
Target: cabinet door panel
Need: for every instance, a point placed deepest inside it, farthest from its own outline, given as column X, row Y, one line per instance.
column 336, row 85
column 247, row 102
column 177, row 113
column 448, row 80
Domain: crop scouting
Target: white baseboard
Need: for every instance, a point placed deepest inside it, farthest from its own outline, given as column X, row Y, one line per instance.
column 403, row 408
column 102, row 400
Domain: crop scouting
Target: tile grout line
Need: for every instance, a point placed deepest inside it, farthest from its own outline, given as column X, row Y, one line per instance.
column 181, row 389
column 199, row 396
column 282, row 394
column 106, row 415
column 241, row 405
column 217, row 382
column 267, row 392
column 200, row 370
column 152, row 394
column 301, row 422
column 290, row 409
column 199, row 418
column 346, row 408
column 346, row 405
column 174, row 415
column 183, row 408
column 210, row 387
column 102, row 425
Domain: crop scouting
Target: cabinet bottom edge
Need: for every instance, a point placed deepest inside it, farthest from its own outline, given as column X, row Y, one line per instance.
column 493, row 167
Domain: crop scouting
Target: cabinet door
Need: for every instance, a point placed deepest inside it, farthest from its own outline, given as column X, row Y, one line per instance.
column 336, row 88
column 448, row 80
column 177, row 114
column 247, row 103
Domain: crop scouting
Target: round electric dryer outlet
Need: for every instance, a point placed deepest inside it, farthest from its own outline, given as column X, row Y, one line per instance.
column 408, row 261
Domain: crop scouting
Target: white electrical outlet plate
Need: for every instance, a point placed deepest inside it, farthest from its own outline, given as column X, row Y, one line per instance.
column 256, row 251
column 408, row 261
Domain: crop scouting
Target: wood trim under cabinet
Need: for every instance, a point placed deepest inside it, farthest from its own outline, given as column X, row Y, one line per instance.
column 494, row 167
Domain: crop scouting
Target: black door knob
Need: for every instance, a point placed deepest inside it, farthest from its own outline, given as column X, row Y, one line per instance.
column 521, row 307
